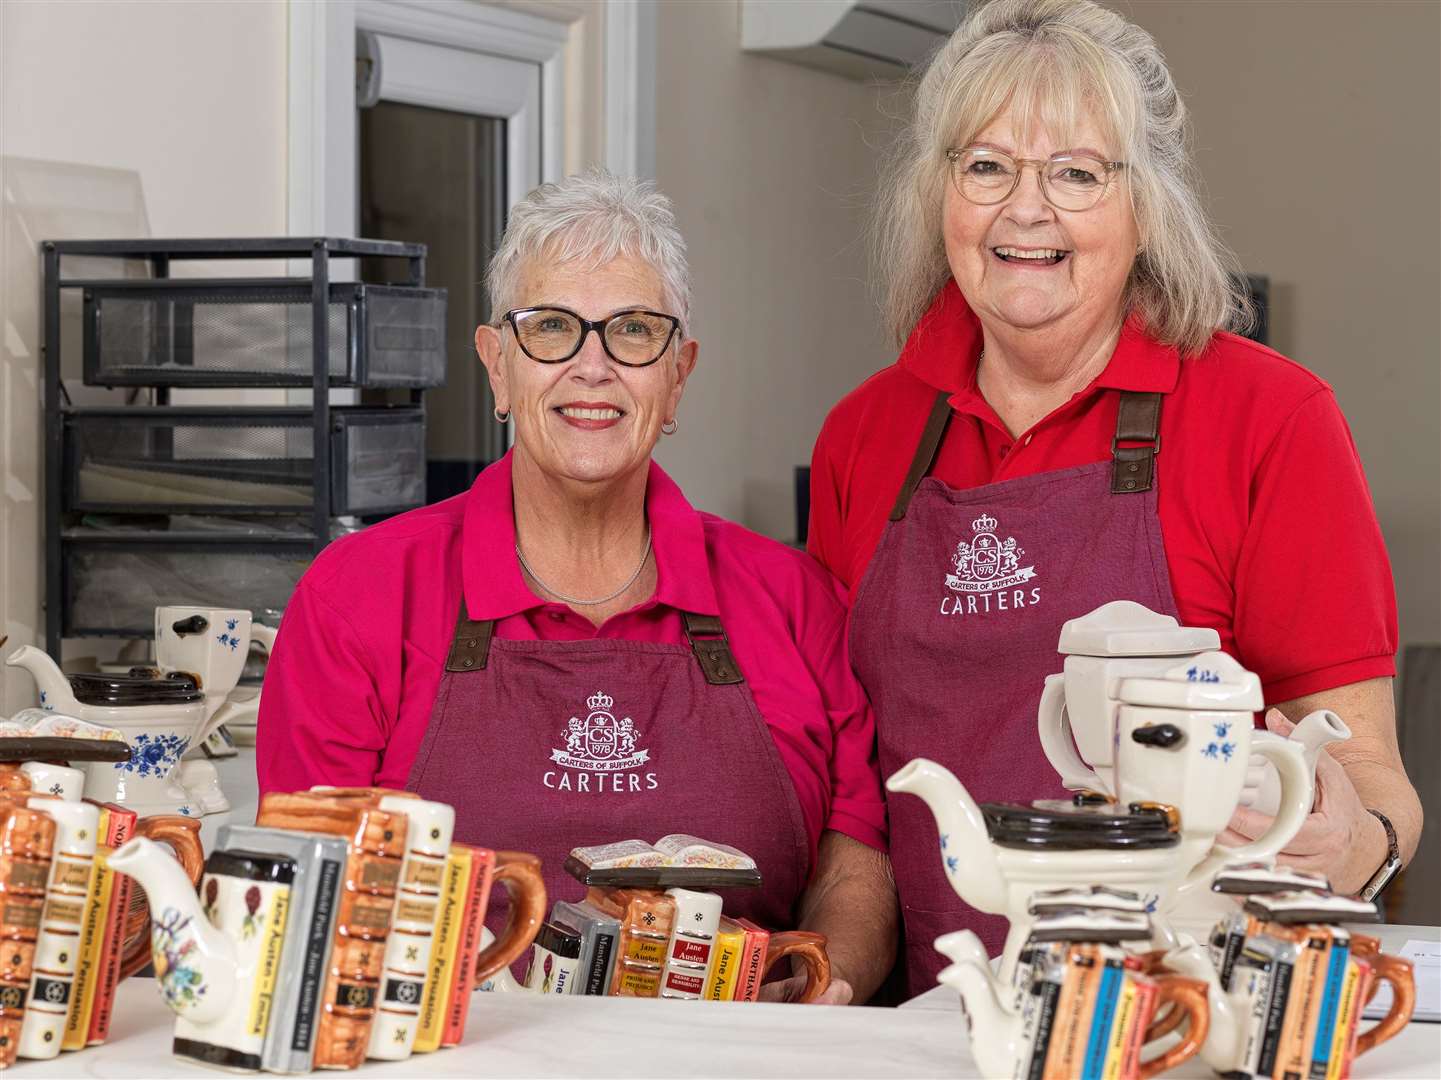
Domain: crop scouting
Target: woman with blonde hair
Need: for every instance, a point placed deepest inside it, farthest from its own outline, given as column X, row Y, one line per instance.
column 1069, row 423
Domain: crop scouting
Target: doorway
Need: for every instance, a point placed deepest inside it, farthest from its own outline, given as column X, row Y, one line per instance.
column 438, row 177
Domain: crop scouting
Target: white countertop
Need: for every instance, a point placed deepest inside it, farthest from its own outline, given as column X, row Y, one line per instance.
column 533, row 1036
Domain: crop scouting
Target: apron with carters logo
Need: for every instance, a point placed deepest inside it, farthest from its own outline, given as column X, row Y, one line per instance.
column 544, row 746
column 955, row 628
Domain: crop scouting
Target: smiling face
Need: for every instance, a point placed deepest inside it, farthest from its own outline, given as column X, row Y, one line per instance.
column 589, row 418
column 1024, row 265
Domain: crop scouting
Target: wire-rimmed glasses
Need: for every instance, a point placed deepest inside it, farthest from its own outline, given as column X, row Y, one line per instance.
column 1068, row 181
column 552, row 335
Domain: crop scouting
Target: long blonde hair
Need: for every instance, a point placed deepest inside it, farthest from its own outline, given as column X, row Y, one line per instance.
column 1051, row 61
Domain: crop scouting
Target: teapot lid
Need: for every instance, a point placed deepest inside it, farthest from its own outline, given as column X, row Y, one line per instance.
column 1125, row 628
column 1082, row 822
column 142, row 686
column 1211, row 680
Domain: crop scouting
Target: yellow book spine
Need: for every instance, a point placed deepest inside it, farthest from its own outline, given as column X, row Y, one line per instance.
column 1346, row 1016
column 720, row 980
column 449, row 914
column 262, row 994
column 1121, row 1030
column 92, row 935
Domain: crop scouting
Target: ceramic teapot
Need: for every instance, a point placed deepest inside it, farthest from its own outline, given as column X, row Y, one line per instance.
column 212, row 644
column 159, row 718
column 1005, row 1040
column 1078, row 707
column 211, row 959
column 997, row 856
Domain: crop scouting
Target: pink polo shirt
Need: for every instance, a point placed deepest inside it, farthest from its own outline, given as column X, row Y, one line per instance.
column 355, row 669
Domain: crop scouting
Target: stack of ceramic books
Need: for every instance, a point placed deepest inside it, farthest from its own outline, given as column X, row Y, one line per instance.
column 348, row 926
column 641, row 932
column 66, row 910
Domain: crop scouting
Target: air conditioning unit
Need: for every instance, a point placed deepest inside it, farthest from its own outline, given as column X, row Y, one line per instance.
column 861, row 39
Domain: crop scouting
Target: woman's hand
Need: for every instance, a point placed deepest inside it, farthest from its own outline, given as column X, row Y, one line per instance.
column 789, row 990
column 1340, row 838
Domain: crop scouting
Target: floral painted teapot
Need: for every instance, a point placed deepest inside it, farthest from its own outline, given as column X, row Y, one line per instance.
column 214, row 954
column 158, row 716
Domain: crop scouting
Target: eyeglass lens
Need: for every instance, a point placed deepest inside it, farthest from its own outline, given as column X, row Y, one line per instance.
column 553, row 334
column 989, row 176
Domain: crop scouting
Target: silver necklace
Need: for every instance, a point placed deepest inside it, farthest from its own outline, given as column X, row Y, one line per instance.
column 575, row 600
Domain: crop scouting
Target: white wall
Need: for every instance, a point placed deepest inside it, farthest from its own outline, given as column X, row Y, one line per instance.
column 770, row 171
column 112, row 113
column 1316, row 131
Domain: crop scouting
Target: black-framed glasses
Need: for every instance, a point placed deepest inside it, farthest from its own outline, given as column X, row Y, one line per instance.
column 552, row 335
column 1068, row 181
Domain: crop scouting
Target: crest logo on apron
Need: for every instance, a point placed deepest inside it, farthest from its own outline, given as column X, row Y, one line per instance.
column 600, row 742
column 987, row 571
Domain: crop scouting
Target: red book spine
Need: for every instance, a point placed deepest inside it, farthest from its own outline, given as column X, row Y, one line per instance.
column 753, row 962
column 120, row 828
column 477, row 897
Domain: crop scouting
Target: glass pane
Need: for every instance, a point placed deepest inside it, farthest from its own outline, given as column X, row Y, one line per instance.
column 437, row 177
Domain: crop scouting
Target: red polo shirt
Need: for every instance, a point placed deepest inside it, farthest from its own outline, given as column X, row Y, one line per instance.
column 354, row 674
column 1268, row 526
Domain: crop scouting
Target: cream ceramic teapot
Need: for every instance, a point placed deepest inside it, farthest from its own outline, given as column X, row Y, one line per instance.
column 1076, row 719
column 995, row 857
column 159, row 718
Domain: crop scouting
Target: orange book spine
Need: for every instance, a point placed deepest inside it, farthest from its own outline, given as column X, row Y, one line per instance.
column 1073, row 1027
column 462, row 982
column 118, row 827
column 641, row 949
column 1293, row 1056
column 1363, row 989
column 27, row 838
column 753, row 961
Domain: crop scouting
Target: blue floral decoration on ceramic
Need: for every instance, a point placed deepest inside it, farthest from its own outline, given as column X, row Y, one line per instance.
column 1222, row 730
column 228, row 639
column 952, row 863
column 231, row 624
column 153, row 755
column 1219, row 751
column 44, row 702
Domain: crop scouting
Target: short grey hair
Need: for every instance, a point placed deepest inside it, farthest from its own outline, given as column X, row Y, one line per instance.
column 592, row 217
column 1051, row 60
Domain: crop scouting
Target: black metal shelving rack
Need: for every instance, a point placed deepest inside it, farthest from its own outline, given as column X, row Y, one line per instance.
column 159, row 254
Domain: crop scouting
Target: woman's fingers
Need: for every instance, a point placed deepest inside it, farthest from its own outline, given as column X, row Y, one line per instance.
column 790, row 990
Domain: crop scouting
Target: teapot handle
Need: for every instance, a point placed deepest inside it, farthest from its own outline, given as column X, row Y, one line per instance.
column 810, row 948
column 520, row 874
column 263, row 635
column 1184, row 996
column 1402, row 977
column 1054, row 726
column 183, row 835
column 1298, row 787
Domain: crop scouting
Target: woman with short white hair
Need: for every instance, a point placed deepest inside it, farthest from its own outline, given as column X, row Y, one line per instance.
column 1068, row 423
column 569, row 654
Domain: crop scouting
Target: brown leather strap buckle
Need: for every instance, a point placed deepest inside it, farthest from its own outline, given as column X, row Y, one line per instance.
column 712, row 649
column 471, row 648
column 1138, row 421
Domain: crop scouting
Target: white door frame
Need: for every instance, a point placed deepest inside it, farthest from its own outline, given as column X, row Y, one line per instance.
column 321, row 161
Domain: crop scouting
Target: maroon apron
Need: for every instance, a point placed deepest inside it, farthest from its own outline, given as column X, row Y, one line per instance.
column 955, row 626
column 543, row 746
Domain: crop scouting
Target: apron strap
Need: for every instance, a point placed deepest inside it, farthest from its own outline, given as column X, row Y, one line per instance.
column 1133, row 468
column 925, row 453
column 471, row 647
column 712, row 649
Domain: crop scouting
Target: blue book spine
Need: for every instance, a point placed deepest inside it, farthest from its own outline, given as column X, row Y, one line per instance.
column 1101, row 1021
column 1330, row 1001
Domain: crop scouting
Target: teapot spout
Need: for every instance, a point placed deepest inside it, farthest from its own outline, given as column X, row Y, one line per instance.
column 994, row 1031
column 966, row 852
column 195, row 963
column 1316, row 730
column 54, row 686
column 1227, row 1030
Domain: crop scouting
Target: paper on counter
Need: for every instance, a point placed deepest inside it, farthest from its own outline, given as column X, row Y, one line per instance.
column 1425, row 957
